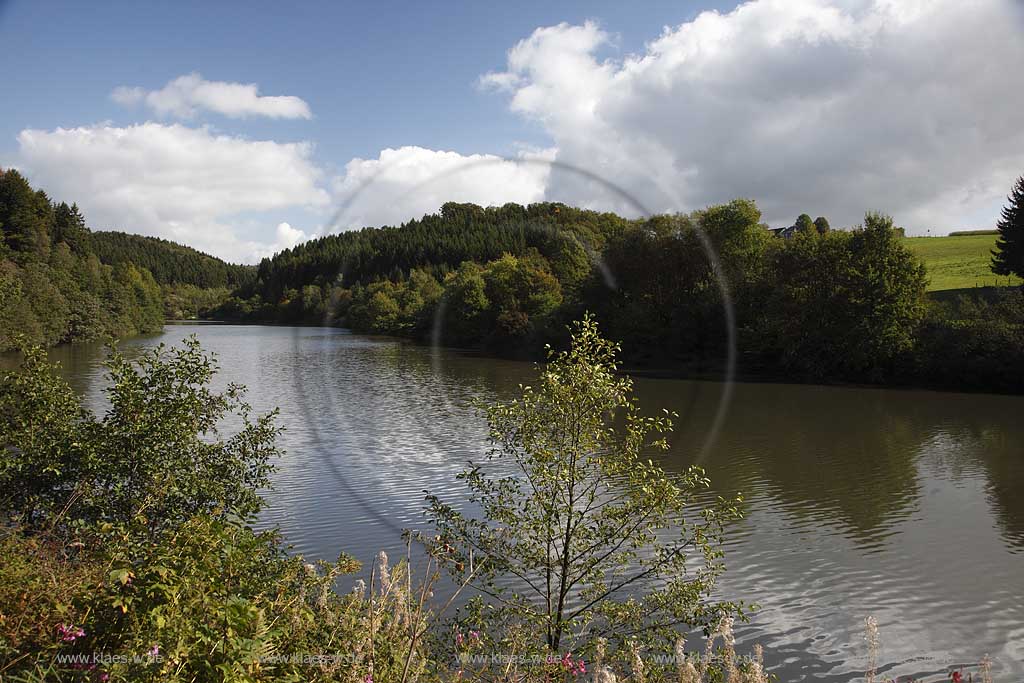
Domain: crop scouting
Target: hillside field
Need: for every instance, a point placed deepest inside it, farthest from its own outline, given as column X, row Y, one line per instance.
column 958, row 262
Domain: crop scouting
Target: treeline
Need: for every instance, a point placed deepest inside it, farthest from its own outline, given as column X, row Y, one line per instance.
column 193, row 283
column 169, row 262
column 810, row 303
column 315, row 281
column 62, row 283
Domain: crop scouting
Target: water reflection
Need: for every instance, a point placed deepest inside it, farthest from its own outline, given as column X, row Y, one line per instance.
column 899, row 504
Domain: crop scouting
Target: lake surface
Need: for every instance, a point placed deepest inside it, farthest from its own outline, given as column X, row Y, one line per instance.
column 905, row 505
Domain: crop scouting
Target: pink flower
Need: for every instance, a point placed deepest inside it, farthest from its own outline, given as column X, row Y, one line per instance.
column 69, row 633
column 104, row 676
column 458, row 638
column 368, row 678
column 154, row 651
column 576, row 667
column 474, row 635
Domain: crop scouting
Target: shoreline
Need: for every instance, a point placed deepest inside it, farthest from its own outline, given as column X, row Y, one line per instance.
column 642, row 371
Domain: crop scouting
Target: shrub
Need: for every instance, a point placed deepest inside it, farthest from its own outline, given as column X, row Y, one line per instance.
column 156, row 451
column 594, row 535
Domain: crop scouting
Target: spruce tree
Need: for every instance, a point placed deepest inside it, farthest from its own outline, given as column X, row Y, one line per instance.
column 1008, row 256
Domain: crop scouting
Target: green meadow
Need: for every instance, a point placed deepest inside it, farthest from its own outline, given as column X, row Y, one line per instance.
column 959, row 261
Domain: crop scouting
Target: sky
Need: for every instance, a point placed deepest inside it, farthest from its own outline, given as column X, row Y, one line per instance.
column 245, row 128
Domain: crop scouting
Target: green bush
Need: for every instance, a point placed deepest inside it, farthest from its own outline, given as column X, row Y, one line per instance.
column 128, row 555
column 155, row 452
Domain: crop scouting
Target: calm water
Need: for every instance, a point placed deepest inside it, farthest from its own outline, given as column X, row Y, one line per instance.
column 906, row 505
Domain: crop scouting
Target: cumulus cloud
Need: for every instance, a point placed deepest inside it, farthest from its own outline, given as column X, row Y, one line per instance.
column 408, row 182
column 829, row 107
column 287, row 236
column 185, row 95
column 185, row 184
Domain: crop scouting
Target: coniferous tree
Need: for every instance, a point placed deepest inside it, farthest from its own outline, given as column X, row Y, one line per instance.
column 1008, row 256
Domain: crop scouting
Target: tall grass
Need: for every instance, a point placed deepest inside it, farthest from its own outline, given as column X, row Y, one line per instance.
column 403, row 641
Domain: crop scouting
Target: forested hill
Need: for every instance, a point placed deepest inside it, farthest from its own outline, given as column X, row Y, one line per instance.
column 169, row 262
column 438, row 243
column 62, row 283
column 53, row 286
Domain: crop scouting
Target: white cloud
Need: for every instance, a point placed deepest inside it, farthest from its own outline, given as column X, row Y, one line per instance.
column 906, row 106
column 287, row 236
column 405, row 183
column 185, row 184
column 185, row 95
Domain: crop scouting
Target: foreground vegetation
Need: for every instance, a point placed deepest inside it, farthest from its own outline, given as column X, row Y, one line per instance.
column 127, row 551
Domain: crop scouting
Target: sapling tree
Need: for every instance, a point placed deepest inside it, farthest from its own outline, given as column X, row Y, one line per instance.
column 580, row 536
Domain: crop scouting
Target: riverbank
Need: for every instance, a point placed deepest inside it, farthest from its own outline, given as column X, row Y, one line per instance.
column 708, row 371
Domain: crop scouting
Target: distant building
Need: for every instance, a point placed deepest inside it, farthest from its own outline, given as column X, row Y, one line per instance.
column 785, row 233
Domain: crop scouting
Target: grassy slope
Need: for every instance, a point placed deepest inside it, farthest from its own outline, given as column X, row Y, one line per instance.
column 958, row 262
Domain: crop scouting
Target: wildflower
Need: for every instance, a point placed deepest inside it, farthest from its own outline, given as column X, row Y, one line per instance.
column 385, row 574
column 757, row 671
column 986, row 669
column 368, row 678
column 729, row 649
column 957, row 677
column 154, row 651
column 458, row 638
column 638, row 663
column 474, row 635
column 686, row 670
column 104, row 676
column 68, row 634
column 871, row 636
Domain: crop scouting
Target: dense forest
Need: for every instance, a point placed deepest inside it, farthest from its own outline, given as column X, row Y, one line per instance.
column 193, row 283
column 169, row 262
column 810, row 303
column 62, row 283
column 314, row 281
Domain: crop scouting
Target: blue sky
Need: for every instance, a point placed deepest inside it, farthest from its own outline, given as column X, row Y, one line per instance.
column 768, row 100
column 376, row 75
